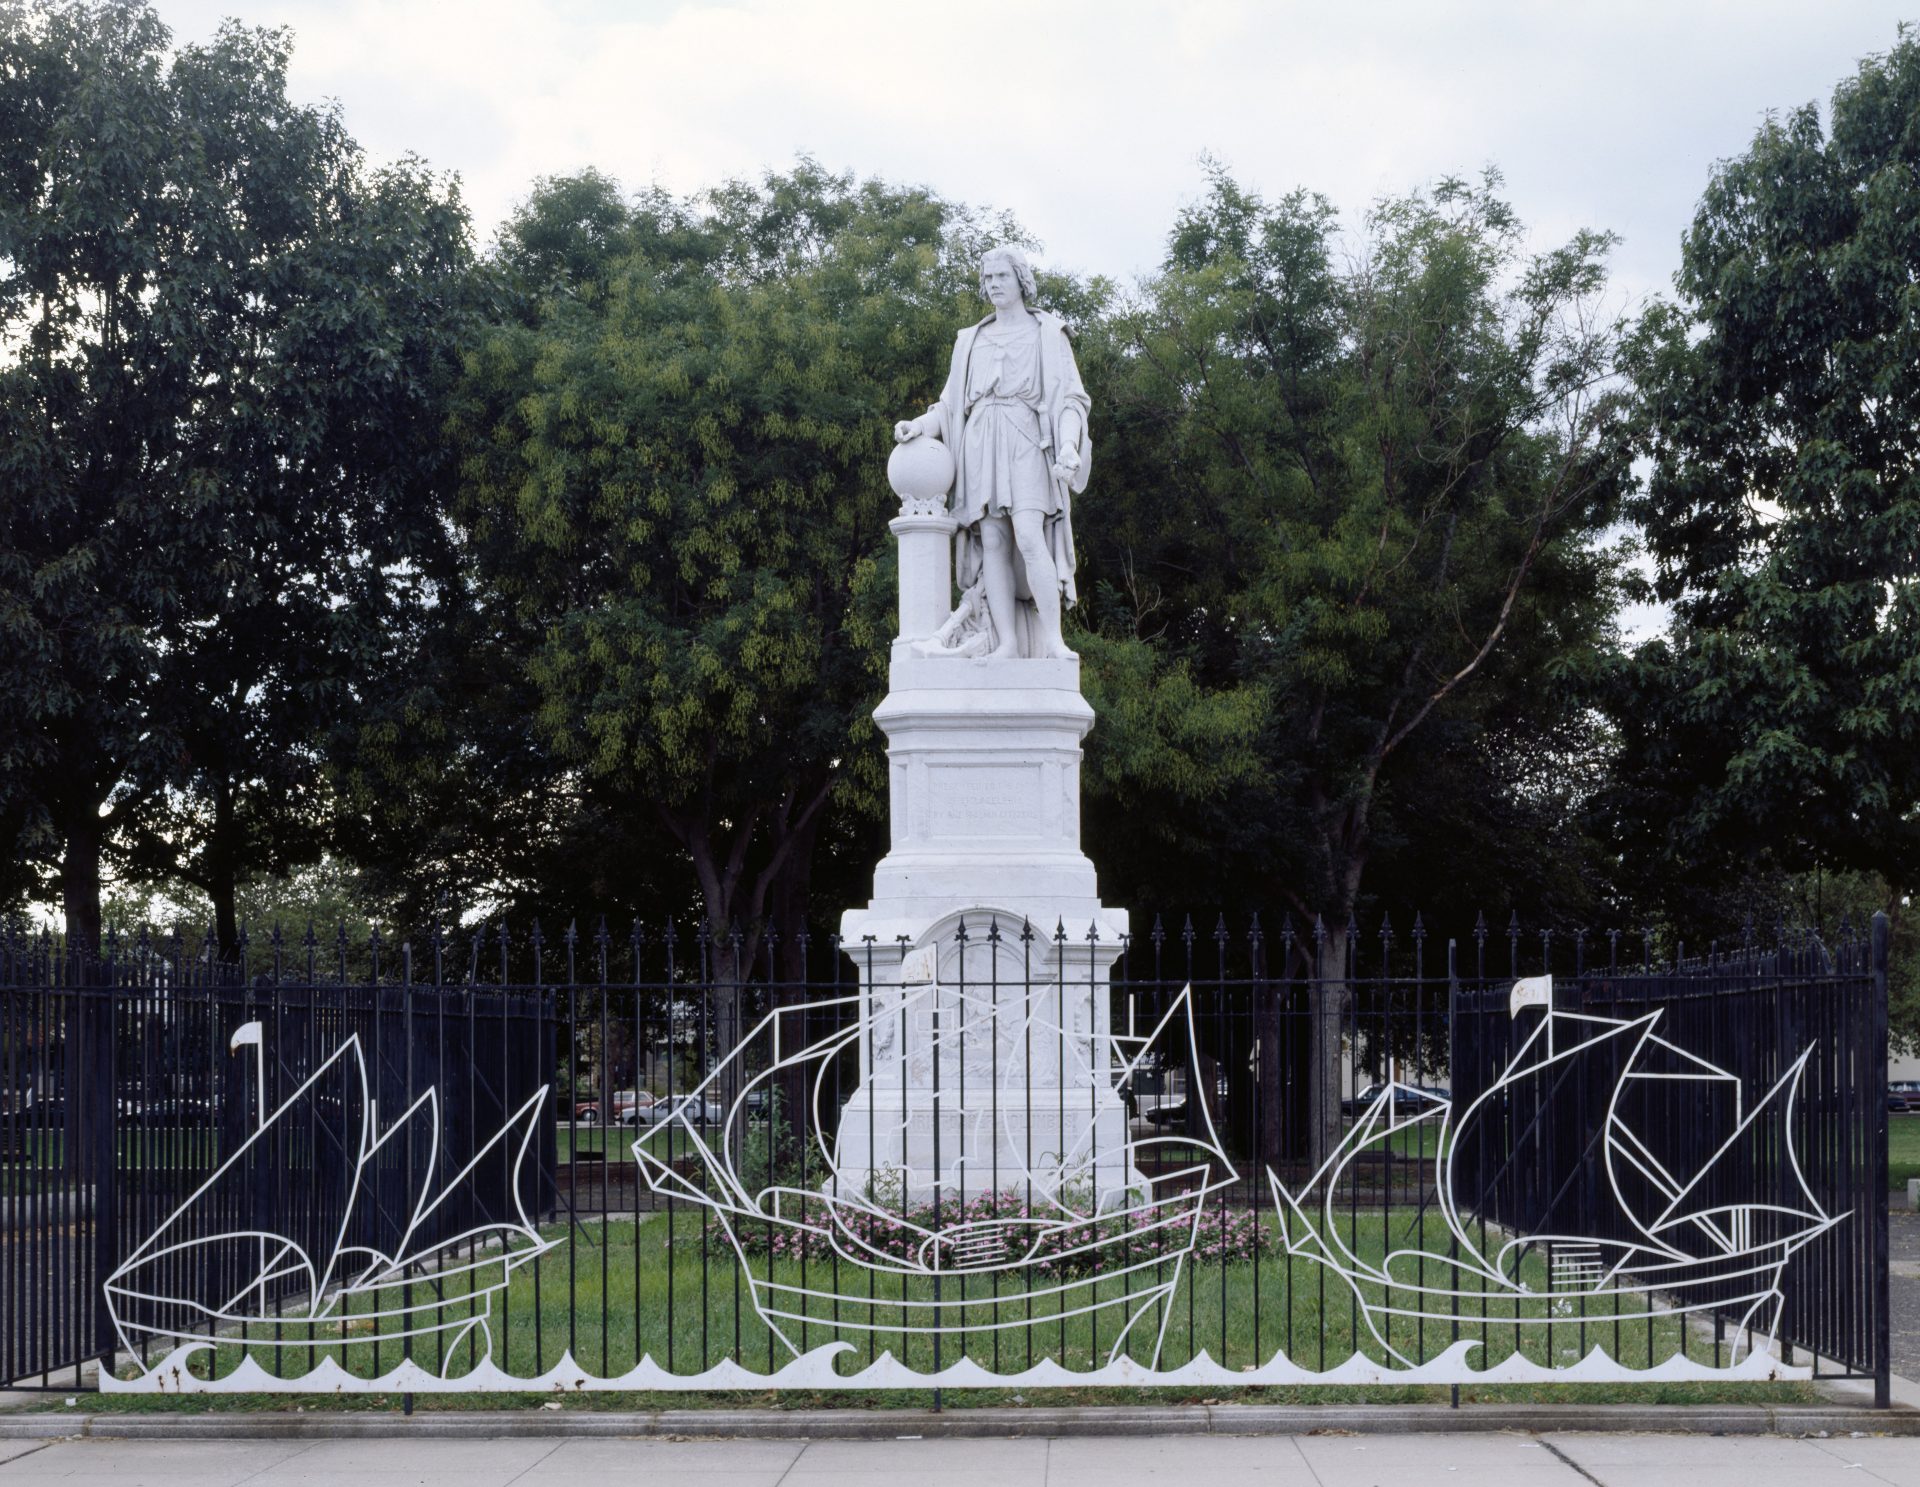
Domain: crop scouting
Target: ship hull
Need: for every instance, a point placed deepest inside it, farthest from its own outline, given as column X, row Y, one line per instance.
column 1721, row 1284
column 361, row 1315
column 1116, row 1278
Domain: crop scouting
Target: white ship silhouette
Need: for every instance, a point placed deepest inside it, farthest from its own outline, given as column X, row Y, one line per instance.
column 1097, row 1232
column 199, row 1279
column 1675, row 1247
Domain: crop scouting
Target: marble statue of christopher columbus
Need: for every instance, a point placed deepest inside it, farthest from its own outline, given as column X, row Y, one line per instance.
column 1014, row 416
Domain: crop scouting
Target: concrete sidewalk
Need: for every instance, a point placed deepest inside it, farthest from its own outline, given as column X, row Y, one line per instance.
column 1566, row 1460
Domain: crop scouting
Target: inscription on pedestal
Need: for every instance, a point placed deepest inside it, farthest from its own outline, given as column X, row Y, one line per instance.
column 998, row 800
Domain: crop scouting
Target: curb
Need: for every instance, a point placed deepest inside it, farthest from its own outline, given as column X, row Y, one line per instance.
column 1092, row 1420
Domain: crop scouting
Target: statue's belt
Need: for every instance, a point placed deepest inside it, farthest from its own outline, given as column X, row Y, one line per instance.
column 1029, row 426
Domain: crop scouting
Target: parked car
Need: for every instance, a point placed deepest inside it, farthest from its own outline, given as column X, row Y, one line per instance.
column 1171, row 1114
column 626, row 1101
column 1903, row 1095
column 1407, row 1099
column 690, row 1107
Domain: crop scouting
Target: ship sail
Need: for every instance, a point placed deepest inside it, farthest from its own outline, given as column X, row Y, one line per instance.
column 1526, row 1145
column 214, row 1256
column 210, row 1267
column 1717, row 1201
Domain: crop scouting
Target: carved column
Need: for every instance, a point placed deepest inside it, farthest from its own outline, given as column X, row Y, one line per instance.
column 925, row 535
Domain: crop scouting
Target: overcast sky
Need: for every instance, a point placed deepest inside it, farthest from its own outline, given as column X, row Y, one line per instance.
column 1087, row 118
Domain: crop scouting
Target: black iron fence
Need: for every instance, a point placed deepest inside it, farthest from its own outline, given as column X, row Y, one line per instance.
column 639, row 1158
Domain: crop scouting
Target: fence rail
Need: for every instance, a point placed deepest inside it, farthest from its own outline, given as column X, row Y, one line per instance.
column 1208, row 1154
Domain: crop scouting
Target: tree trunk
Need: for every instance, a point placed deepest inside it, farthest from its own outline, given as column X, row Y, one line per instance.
column 80, row 876
column 789, row 900
column 1270, row 1070
column 222, row 870
column 1327, row 1002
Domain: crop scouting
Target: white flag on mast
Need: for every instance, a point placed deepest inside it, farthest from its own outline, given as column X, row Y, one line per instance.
column 1530, row 991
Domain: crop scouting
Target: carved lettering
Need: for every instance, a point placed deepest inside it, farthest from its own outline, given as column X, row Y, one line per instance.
column 985, row 800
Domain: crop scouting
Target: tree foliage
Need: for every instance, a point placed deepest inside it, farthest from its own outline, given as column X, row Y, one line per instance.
column 674, row 481
column 1779, row 722
column 1355, row 505
column 225, row 335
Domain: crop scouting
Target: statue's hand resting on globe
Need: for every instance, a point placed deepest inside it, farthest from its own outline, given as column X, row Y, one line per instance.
column 1014, row 416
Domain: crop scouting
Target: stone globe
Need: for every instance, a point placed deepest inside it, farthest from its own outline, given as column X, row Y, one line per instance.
column 920, row 469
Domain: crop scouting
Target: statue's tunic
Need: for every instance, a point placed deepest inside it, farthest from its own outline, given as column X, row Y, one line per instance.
column 1006, row 395
column 1003, row 446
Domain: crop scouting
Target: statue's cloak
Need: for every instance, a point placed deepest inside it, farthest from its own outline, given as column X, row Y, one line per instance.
column 1060, row 390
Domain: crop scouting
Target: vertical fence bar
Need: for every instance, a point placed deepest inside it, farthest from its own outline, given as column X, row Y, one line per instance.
column 1882, row 1180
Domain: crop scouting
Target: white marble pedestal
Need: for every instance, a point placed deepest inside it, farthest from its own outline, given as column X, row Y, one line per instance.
column 986, row 1060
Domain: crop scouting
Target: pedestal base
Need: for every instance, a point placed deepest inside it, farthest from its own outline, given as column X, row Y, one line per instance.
column 984, row 954
column 988, row 1066
column 915, row 1150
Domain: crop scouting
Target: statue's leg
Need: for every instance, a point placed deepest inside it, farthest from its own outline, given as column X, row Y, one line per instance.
column 996, row 564
column 1030, row 533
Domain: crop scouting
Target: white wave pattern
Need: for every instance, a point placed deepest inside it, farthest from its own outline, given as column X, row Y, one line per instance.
column 817, row 1369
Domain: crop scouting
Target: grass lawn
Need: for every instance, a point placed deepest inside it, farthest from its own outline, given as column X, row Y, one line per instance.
column 1903, row 1150
column 670, row 1288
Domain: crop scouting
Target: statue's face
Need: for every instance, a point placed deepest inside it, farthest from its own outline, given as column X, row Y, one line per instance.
column 999, row 283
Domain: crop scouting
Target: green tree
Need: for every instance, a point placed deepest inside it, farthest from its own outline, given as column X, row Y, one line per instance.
column 674, row 483
column 1777, row 726
column 1358, row 503
column 226, row 334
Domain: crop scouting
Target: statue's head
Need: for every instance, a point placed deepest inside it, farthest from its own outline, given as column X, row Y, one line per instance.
column 1007, row 260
